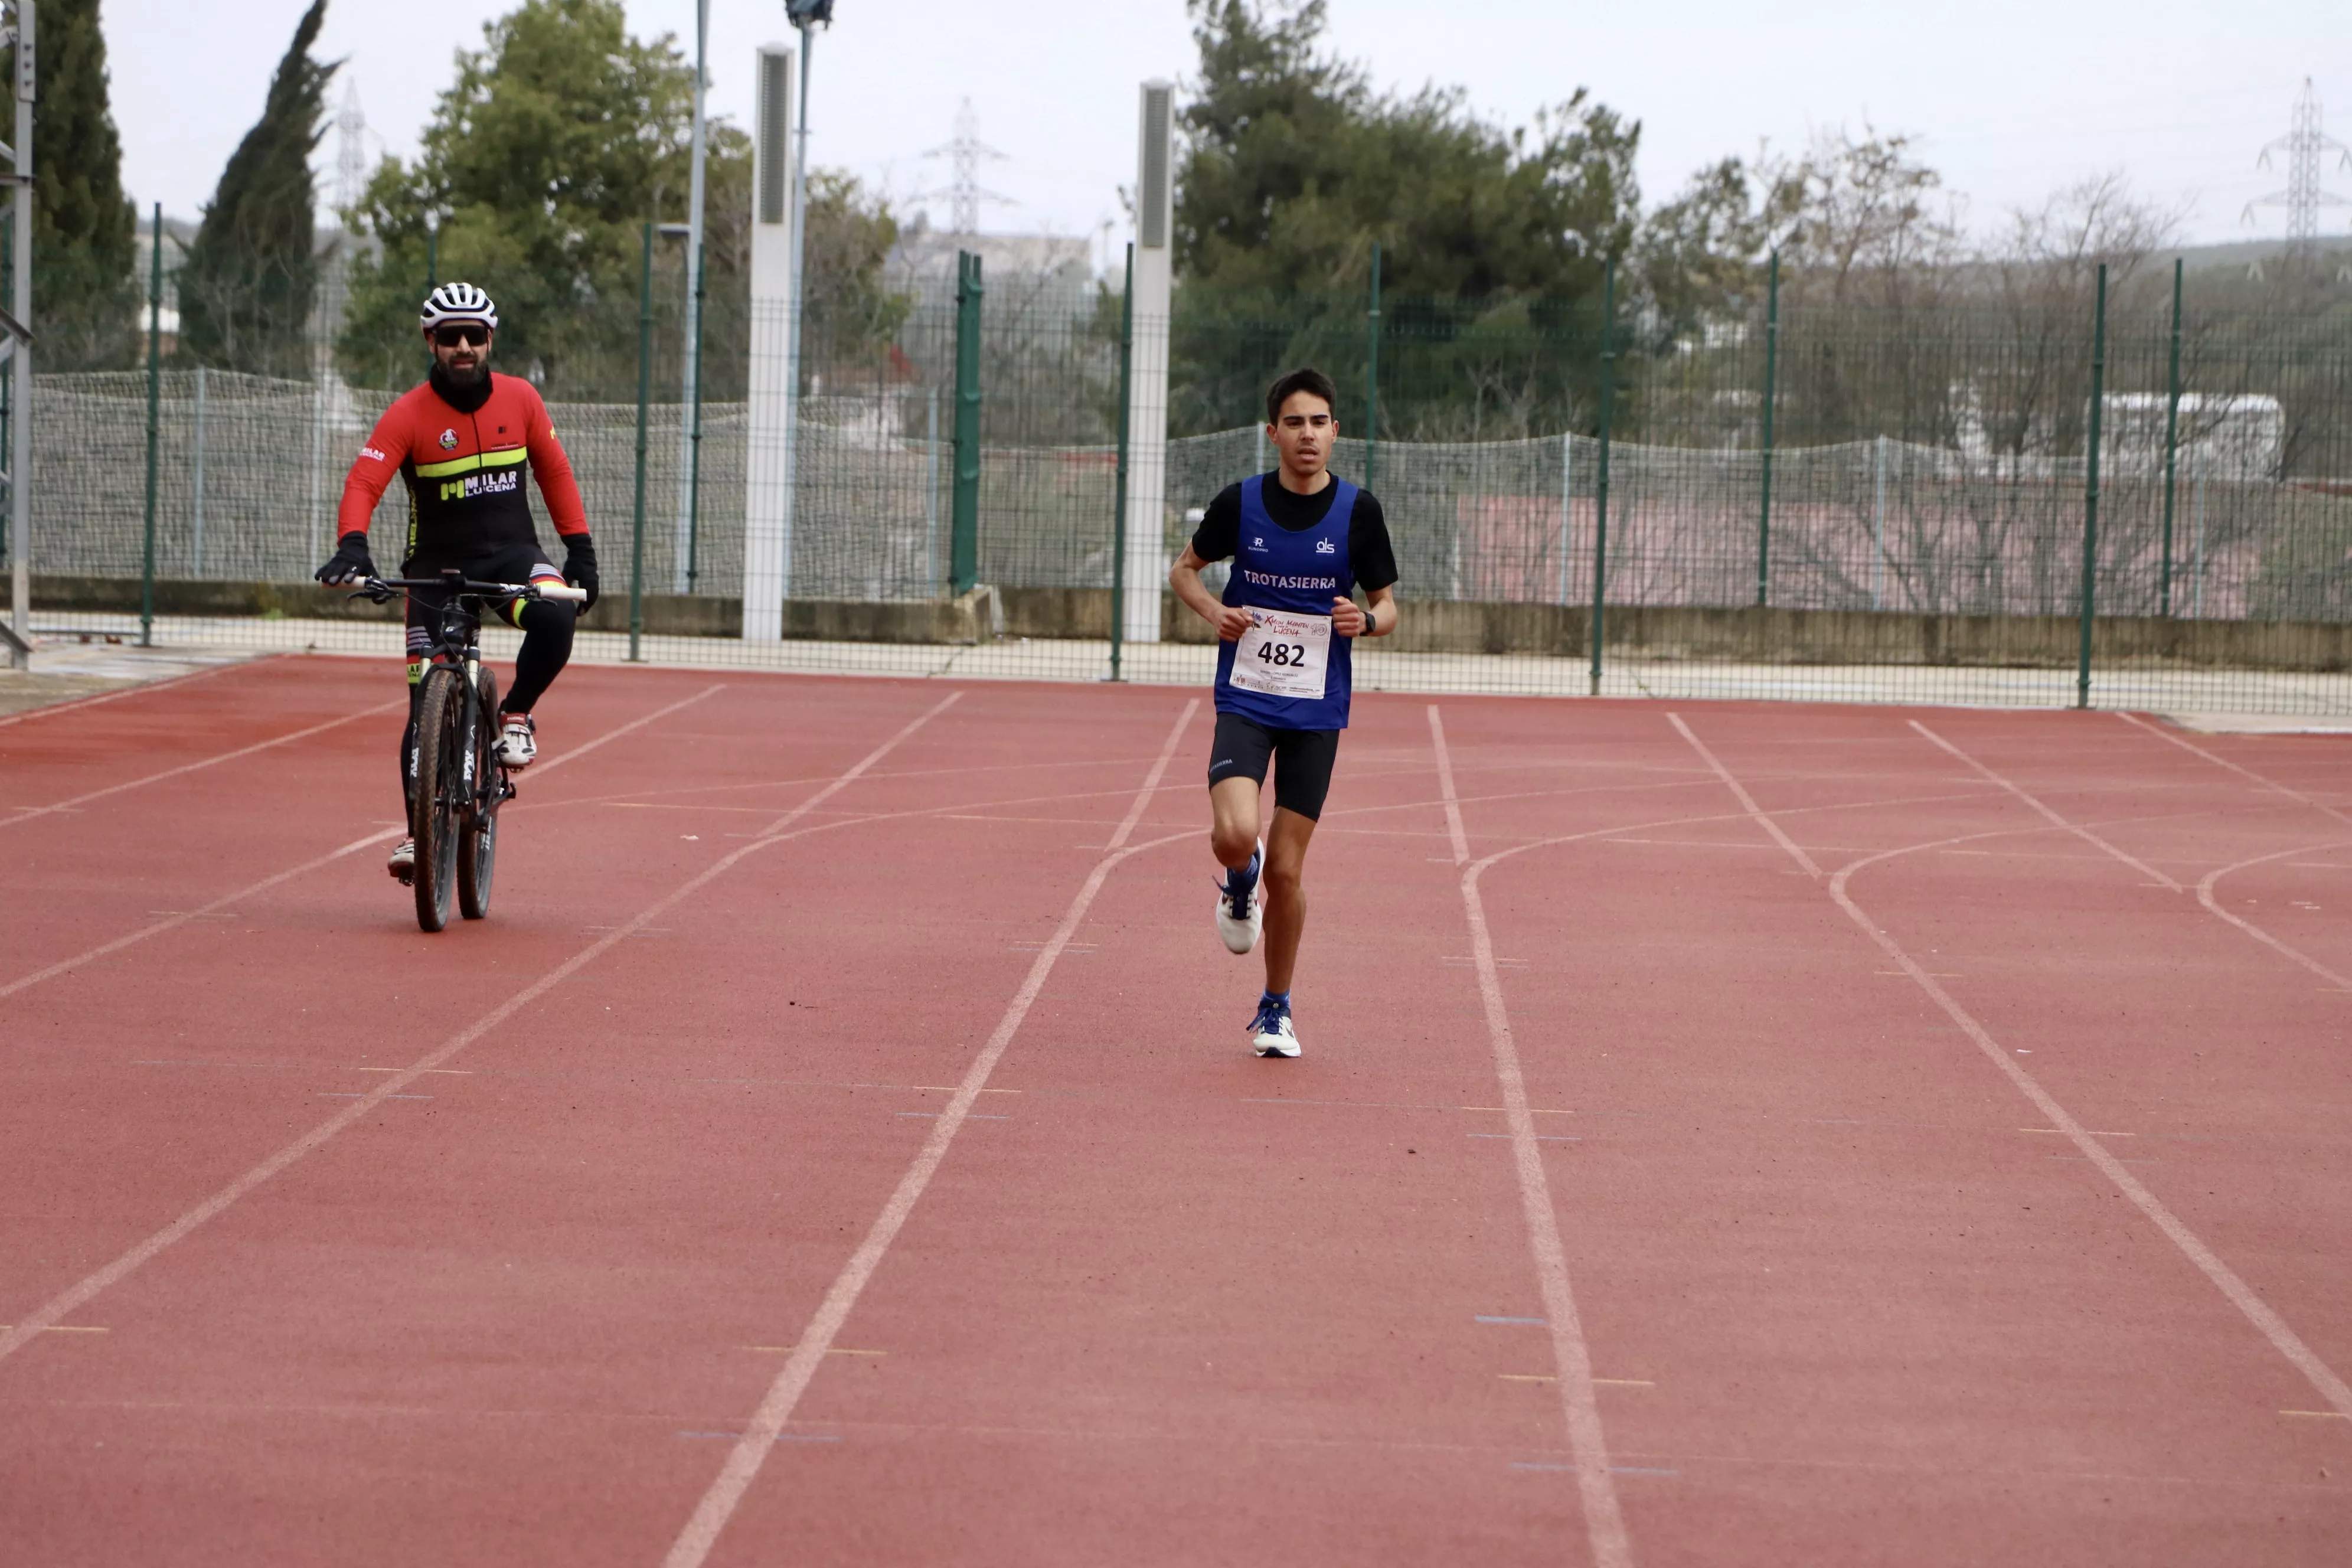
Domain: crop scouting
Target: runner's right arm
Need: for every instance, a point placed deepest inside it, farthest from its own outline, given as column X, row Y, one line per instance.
column 380, row 458
column 1220, row 526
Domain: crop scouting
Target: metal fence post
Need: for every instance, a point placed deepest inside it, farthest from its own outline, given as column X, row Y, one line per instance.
column 1600, row 473
column 931, row 488
column 1118, row 505
column 1567, row 494
column 963, row 547
column 2090, row 494
column 1878, row 529
column 644, row 395
column 694, row 430
column 154, row 418
column 196, row 502
column 1373, row 373
column 1771, row 385
column 2171, row 446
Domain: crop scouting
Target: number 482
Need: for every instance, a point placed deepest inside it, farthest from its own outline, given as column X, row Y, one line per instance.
column 1282, row 653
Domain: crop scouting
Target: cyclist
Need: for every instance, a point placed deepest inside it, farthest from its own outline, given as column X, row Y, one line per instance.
column 461, row 441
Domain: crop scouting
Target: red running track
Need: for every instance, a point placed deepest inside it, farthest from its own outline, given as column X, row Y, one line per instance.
column 1727, row 1133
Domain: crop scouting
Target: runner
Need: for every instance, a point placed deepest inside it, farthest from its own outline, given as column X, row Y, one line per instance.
column 461, row 442
column 1301, row 541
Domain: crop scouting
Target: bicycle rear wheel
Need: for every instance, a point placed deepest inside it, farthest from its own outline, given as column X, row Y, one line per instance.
column 478, row 831
column 441, row 792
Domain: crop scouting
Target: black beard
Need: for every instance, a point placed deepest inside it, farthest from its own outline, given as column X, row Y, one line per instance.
column 464, row 375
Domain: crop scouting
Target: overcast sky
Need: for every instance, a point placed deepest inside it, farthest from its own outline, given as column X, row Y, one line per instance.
column 2009, row 99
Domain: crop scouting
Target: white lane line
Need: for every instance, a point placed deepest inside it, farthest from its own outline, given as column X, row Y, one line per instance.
column 760, row 1434
column 227, row 900
column 1605, row 1523
column 75, row 704
column 2238, row 1294
column 2084, row 834
column 81, row 1290
column 2205, row 888
column 1746, row 801
column 31, row 812
column 2248, row 774
column 2213, row 905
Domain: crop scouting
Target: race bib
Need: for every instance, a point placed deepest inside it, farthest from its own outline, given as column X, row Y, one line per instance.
column 1283, row 654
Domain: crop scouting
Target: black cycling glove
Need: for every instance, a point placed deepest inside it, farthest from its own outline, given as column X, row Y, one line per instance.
column 579, row 566
column 352, row 561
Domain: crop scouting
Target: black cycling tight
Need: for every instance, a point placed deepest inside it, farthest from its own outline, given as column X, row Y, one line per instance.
column 546, row 627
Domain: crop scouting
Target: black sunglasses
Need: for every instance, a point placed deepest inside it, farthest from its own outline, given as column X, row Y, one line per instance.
column 471, row 334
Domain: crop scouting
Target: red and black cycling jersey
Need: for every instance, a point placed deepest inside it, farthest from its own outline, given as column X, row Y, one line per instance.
column 464, row 469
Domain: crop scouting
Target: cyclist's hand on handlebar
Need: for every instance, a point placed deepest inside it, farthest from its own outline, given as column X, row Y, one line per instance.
column 351, row 562
column 579, row 566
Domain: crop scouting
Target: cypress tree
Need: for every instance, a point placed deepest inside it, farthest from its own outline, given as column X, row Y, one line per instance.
column 85, row 295
column 246, row 286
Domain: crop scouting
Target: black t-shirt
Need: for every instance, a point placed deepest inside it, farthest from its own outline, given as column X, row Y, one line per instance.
column 1369, row 554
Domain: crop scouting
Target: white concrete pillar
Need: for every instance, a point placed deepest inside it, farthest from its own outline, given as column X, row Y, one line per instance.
column 1147, row 425
column 766, row 472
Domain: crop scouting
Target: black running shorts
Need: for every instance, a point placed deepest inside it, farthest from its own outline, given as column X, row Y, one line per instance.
column 1303, row 758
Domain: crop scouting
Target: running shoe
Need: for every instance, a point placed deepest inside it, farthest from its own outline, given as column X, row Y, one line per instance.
column 1241, row 910
column 519, row 742
column 1271, row 1031
column 403, row 863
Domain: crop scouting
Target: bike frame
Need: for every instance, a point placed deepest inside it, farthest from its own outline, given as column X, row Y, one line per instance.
column 457, row 645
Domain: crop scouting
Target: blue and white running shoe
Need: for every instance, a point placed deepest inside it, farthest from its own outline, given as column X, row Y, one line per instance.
column 1241, row 907
column 1271, row 1032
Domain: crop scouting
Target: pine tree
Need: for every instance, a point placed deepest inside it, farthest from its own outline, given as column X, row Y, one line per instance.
column 85, row 298
column 246, row 286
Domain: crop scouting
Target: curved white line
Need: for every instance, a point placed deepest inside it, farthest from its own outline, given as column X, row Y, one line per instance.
column 752, row 1449
column 1604, row 1520
column 2238, row 1294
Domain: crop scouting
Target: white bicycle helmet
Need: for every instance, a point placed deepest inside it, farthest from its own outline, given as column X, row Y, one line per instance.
column 458, row 302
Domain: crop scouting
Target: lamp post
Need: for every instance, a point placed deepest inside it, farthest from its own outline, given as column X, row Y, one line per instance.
column 806, row 16
column 690, row 420
column 689, row 389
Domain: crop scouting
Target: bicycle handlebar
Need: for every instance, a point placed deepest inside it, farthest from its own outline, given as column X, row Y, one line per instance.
column 381, row 588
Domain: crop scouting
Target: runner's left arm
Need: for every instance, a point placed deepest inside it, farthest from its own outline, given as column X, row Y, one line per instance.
column 1374, row 558
column 551, row 466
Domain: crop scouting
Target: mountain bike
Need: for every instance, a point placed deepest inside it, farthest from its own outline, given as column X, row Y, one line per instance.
column 456, row 782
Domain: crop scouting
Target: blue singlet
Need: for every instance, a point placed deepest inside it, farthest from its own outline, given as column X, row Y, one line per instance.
column 1294, row 574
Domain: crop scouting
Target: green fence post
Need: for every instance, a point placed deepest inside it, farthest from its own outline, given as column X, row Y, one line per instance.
column 1600, row 474
column 1373, row 373
column 645, row 396
column 963, row 549
column 432, row 254
column 1118, row 506
column 694, row 428
column 1772, row 386
column 154, row 422
column 2090, row 494
column 2171, row 446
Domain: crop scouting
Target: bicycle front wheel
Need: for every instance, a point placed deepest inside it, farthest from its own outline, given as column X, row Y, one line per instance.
column 478, row 831
column 442, row 793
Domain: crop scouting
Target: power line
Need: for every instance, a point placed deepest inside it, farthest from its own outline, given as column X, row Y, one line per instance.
column 963, row 192
column 350, row 149
column 2305, row 146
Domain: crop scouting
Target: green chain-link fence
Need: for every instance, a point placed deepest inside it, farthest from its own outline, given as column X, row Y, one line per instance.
column 1915, row 529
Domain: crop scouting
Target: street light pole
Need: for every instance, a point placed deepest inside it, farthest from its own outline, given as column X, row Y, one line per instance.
column 690, row 382
column 806, row 15
column 20, row 365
